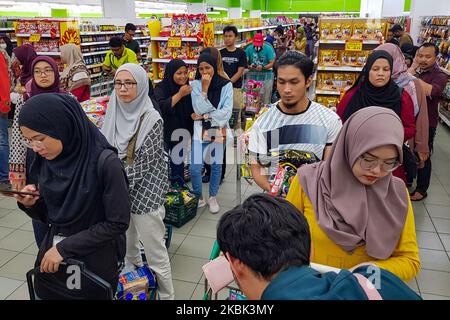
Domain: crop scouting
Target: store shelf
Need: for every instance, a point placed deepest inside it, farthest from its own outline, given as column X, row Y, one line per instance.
column 348, row 69
column 238, row 45
column 7, row 30
column 374, row 42
column 144, row 45
column 93, row 43
column 101, row 84
column 447, row 72
column 444, row 118
column 94, row 53
column 142, row 38
column 45, row 35
column 51, row 54
column 168, row 60
column 328, row 93
column 94, row 65
column 258, row 28
column 100, row 33
column 185, row 39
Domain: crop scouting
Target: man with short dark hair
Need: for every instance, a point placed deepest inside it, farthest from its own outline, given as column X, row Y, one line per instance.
column 267, row 242
column 401, row 35
column 117, row 56
column 293, row 123
column 433, row 81
column 234, row 63
column 130, row 42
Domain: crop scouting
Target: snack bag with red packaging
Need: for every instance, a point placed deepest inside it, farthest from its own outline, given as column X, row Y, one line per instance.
column 194, row 50
column 164, row 52
column 195, row 24
column 179, row 25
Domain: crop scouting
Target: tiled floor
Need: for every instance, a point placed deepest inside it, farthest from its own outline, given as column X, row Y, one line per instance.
column 191, row 244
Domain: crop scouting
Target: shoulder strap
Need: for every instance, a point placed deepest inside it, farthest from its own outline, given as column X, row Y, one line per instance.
column 132, row 144
column 369, row 289
column 101, row 162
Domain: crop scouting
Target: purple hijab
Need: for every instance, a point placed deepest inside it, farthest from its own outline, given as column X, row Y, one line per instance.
column 35, row 89
column 350, row 213
column 25, row 54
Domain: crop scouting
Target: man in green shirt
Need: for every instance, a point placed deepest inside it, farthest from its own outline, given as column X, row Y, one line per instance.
column 117, row 56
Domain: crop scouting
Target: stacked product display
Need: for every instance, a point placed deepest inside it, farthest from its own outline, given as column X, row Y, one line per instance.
column 436, row 30
column 444, row 106
column 344, row 47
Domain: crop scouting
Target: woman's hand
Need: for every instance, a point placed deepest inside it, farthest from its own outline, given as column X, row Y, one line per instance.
column 196, row 117
column 51, row 261
column 27, row 200
column 185, row 90
column 206, row 81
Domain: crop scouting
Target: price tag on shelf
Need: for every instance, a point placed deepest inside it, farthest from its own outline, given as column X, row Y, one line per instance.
column 35, row 38
column 145, row 33
column 353, row 45
column 174, row 43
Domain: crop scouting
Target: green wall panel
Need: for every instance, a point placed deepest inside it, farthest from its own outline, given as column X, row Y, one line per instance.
column 314, row 5
column 407, row 5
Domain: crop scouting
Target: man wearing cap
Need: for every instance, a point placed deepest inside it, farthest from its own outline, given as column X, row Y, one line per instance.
column 260, row 55
column 401, row 35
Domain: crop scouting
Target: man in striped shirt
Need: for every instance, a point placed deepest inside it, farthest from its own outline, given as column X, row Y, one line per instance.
column 293, row 123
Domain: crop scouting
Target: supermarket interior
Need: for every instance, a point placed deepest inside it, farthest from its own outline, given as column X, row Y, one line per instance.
column 282, row 67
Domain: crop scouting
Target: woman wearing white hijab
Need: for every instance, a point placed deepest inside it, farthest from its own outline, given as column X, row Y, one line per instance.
column 135, row 128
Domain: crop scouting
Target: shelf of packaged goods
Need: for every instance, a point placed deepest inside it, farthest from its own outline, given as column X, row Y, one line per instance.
column 185, row 39
column 101, row 84
column 238, row 45
column 249, row 29
column 444, row 117
column 45, row 35
column 144, row 45
column 447, row 72
column 94, row 53
column 52, row 54
column 13, row 40
column 94, row 65
column 7, row 30
column 345, row 69
column 168, row 60
column 374, row 42
column 328, row 93
column 93, row 43
column 142, row 38
column 91, row 33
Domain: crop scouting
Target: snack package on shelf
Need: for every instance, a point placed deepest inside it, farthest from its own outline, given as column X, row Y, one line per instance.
column 330, row 102
column 194, row 50
column 329, row 58
column 354, row 58
column 325, row 30
column 137, row 285
column 161, row 69
column 358, row 30
column 336, row 31
column 164, row 52
column 195, row 24
column 181, row 52
column 347, row 29
column 178, row 25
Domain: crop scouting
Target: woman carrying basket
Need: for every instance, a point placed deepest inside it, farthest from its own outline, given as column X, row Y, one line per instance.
column 135, row 128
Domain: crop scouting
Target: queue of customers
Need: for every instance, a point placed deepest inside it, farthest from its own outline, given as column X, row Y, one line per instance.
column 100, row 214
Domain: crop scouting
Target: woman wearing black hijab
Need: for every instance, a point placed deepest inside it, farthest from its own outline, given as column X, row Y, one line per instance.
column 173, row 94
column 212, row 100
column 375, row 87
column 87, row 206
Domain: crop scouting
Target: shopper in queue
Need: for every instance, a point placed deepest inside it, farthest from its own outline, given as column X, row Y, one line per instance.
column 76, row 77
column 294, row 123
column 267, row 242
column 135, row 128
column 375, row 87
column 88, row 214
column 212, row 100
column 358, row 212
column 117, row 56
column 130, row 42
column 173, row 94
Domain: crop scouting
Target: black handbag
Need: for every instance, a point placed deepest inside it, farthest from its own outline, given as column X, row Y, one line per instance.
column 410, row 162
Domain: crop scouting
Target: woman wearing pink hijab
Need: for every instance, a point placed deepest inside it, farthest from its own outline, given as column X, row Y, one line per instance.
column 358, row 212
column 400, row 75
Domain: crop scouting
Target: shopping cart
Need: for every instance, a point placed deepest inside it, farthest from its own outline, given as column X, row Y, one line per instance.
column 103, row 85
column 256, row 90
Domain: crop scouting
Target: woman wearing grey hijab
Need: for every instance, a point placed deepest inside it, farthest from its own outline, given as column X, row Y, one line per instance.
column 357, row 211
column 135, row 128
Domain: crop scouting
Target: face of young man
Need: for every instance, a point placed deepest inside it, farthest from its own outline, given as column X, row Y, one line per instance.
column 229, row 38
column 291, row 85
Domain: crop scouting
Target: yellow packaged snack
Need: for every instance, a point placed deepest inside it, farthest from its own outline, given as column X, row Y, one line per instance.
column 328, row 82
column 319, row 99
column 358, row 30
column 361, row 58
column 349, row 58
column 336, row 31
column 350, row 79
column 379, row 30
column 329, row 58
column 325, row 30
column 332, row 102
column 347, row 30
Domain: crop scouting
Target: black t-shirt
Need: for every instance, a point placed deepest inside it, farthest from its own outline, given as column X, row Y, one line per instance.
column 132, row 45
column 232, row 61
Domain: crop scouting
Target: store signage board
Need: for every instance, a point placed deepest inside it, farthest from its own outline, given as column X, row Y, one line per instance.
column 69, row 32
column 353, row 45
column 35, row 38
column 174, row 43
column 208, row 34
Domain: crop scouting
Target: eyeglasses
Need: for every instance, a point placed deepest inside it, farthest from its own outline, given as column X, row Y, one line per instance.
column 128, row 85
column 33, row 143
column 48, row 71
column 369, row 163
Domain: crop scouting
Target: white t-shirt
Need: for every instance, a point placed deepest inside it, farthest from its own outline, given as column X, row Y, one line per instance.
column 311, row 130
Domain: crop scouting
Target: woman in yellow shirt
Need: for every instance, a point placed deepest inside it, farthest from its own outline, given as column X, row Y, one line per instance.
column 300, row 40
column 358, row 212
